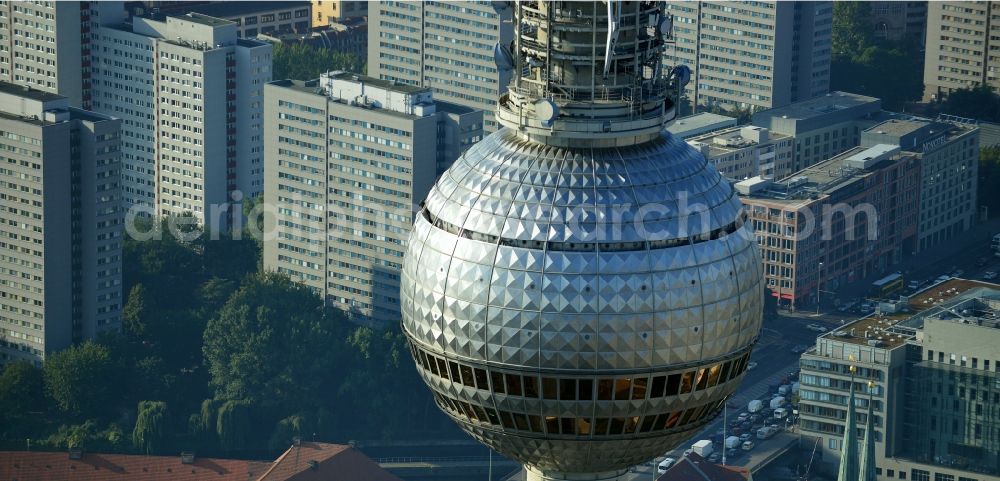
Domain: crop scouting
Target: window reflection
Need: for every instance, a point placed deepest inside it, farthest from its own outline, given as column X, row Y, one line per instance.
column 549, row 388
column 604, row 388
column 586, row 389
column 513, row 384
column 673, row 384
column 567, row 389
column 656, row 390
column 622, row 387
column 702, row 379
column 530, row 387
column 639, row 388
column 583, row 426
column 686, row 382
column 713, row 375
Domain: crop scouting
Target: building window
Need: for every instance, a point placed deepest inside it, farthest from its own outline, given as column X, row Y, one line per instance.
column 920, row 475
column 943, row 477
column 890, row 473
column 250, row 20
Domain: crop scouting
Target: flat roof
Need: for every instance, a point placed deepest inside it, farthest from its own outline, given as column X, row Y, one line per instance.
column 937, row 300
column 385, row 84
column 823, row 178
column 733, row 133
column 818, row 106
column 202, row 19
column 698, row 121
column 232, row 9
column 899, row 127
column 28, row 92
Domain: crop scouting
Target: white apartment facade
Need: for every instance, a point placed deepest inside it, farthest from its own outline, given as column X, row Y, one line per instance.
column 445, row 46
column 348, row 157
column 744, row 152
column 752, row 55
column 60, row 224
column 190, row 96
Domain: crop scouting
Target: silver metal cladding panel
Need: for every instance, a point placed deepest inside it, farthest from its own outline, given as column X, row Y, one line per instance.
column 498, row 274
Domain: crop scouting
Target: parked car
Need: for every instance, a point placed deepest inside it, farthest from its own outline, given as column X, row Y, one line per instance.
column 816, row 327
column 989, row 276
column 751, row 365
column 666, row 464
column 714, row 458
column 748, row 445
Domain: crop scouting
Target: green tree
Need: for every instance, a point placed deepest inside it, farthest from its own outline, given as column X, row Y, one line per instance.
column 234, row 424
column 303, row 62
column 22, row 399
column 81, row 380
column 270, row 343
column 980, row 103
column 852, row 29
column 134, row 312
column 150, row 426
column 989, row 178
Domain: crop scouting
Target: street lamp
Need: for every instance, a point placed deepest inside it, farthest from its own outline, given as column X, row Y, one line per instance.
column 819, row 278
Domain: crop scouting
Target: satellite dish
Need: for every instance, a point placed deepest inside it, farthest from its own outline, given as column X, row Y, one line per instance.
column 683, row 75
column 503, row 58
column 546, row 110
column 499, row 6
column 666, row 26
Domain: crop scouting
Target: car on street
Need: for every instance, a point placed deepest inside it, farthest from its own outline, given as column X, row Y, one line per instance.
column 665, row 465
column 799, row 349
column 715, row 457
column 751, row 365
column 989, row 276
column 816, row 327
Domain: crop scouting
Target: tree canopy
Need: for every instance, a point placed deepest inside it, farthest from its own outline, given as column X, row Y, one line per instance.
column 303, row 62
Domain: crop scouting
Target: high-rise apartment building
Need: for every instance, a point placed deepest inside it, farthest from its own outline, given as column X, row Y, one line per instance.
column 902, row 20
column 815, row 229
column 752, row 55
column 822, row 126
column 744, row 152
column 251, row 18
column 326, row 12
column 445, row 46
column 47, row 44
column 948, row 152
column 936, row 385
column 191, row 97
column 348, row 156
column 962, row 50
column 60, row 223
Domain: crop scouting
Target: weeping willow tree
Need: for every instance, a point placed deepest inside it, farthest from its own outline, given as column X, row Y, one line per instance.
column 150, row 426
column 233, row 424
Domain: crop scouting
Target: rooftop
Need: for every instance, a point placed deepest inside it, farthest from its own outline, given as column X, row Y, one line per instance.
column 385, row 84
column 699, row 123
column 822, row 105
column 305, row 462
column 823, row 178
column 960, row 300
column 232, row 9
column 693, row 467
column 203, row 19
column 28, row 92
column 721, row 142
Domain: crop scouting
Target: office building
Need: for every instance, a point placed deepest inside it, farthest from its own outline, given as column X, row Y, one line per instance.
column 60, row 224
column 251, row 18
column 46, row 45
column 816, row 230
column 961, row 50
column 698, row 124
column 348, row 157
column 752, row 55
column 744, row 152
column 326, row 12
column 948, row 152
column 899, row 21
column 823, row 126
column 935, row 399
column 444, row 46
column 190, row 96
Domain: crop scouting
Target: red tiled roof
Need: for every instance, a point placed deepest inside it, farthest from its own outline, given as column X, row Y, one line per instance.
column 325, row 462
column 40, row 466
column 307, row 462
column 693, row 467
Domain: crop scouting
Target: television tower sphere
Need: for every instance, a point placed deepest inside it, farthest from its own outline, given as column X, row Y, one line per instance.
column 581, row 290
